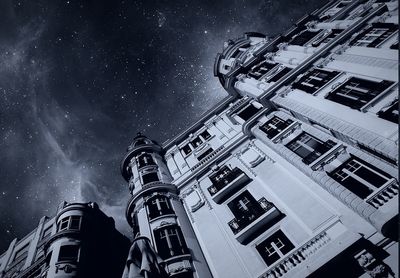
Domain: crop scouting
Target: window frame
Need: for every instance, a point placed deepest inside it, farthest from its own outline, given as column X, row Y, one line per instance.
column 367, row 89
column 366, row 186
column 163, row 238
column 269, row 125
column 157, row 206
column 270, row 245
column 67, row 220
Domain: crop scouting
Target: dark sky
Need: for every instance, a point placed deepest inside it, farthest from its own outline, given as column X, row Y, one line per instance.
column 78, row 79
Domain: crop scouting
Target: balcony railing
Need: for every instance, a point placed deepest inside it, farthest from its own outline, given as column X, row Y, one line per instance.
column 318, row 151
column 243, row 228
column 230, row 183
column 384, row 194
column 297, row 256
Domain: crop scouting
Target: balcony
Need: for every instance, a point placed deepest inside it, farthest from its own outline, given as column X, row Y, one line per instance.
column 245, row 227
column 320, row 150
column 286, row 132
column 387, row 192
column 231, row 183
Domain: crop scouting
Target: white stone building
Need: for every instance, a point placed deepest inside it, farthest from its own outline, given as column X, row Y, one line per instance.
column 295, row 173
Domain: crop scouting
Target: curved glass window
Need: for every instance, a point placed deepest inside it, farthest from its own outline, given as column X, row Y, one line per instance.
column 159, row 205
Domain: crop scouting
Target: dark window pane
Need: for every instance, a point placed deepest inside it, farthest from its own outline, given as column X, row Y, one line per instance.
column 374, row 35
column 75, row 222
column 248, row 112
column 302, row 38
column 371, row 177
column 150, row 177
column 274, row 247
column 186, row 149
column 359, row 176
column 280, row 74
column 314, row 80
column 68, row 253
column 145, row 160
column 158, row 206
column 357, row 92
column 170, row 242
column 203, row 155
column 205, row 134
column 196, row 142
column 390, row 113
column 64, row 224
column 274, row 126
column 261, row 69
column 355, row 186
column 245, row 208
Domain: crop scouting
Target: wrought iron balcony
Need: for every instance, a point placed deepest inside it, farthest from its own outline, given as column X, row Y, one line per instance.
column 318, row 151
column 229, row 184
column 249, row 223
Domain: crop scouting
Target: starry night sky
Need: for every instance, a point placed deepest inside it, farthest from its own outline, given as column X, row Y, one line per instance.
column 78, row 79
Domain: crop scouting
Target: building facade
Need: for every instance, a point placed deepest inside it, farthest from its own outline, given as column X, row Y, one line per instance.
column 294, row 174
column 80, row 241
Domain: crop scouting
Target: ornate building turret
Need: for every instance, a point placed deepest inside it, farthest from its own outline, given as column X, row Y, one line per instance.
column 80, row 233
column 234, row 56
column 156, row 212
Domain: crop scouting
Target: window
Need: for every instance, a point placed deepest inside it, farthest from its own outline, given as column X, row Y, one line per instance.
column 356, row 93
column 374, row 35
column 261, row 69
column 274, row 247
column 223, row 177
column 149, row 177
column 280, row 74
column 205, row 134
column 248, row 112
column 308, row 147
column 274, row 126
column 68, row 253
column 186, row 149
column 21, row 253
column 203, row 155
column 327, row 38
column 246, row 210
column 391, row 112
column 170, row 242
column 196, row 142
column 159, row 205
column 145, row 159
column 47, row 232
column 70, row 223
column 303, row 37
column 360, row 177
column 314, row 80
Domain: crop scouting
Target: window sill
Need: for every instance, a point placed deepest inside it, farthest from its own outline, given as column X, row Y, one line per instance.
column 286, row 132
column 373, row 101
column 327, row 157
column 161, row 217
column 258, row 223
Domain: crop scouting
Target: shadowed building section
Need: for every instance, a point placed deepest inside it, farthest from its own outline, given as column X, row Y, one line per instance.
column 80, row 241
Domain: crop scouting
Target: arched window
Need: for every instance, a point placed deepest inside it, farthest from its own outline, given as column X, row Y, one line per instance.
column 159, row 205
column 170, row 242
